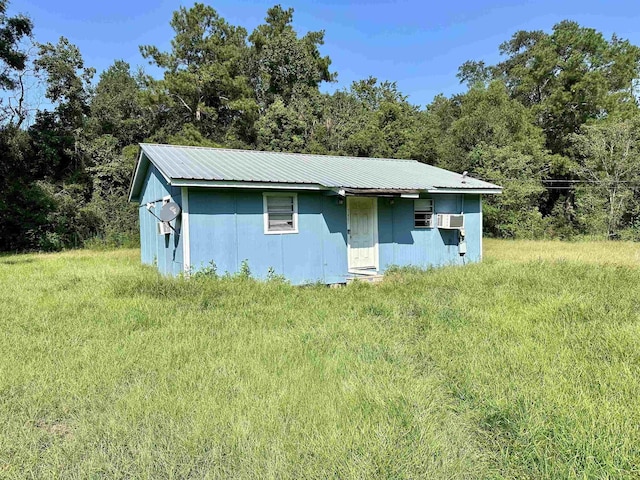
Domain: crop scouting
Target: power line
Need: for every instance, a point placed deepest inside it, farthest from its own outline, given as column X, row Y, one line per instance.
column 588, row 181
column 591, row 183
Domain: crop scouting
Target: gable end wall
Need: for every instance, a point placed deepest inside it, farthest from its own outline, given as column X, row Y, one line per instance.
column 165, row 251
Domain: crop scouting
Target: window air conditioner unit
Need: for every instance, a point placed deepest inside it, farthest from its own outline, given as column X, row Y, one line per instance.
column 164, row 228
column 450, row 221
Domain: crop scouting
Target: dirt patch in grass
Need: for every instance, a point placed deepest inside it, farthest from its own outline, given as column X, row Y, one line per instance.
column 58, row 429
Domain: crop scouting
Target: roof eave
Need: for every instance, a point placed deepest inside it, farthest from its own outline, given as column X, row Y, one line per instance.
column 138, row 175
column 478, row 191
column 185, row 182
column 199, row 183
column 136, row 182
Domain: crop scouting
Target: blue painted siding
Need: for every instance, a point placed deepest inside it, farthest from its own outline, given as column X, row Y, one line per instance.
column 226, row 227
column 400, row 243
column 165, row 251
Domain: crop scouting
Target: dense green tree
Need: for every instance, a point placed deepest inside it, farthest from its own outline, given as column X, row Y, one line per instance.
column 59, row 135
column 12, row 57
column 569, row 76
column 494, row 137
column 68, row 81
column 117, row 108
column 339, row 117
column 23, row 207
column 115, row 220
column 59, row 140
column 388, row 123
column 375, row 119
column 13, row 66
column 607, row 157
column 566, row 79
column 204, row 81
column 474, row 72
column 190, row 135
column 282, row 65
column 287, row 128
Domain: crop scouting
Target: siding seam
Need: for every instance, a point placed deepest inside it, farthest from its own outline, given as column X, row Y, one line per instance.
column 323, row 222
column 186, row 245
column 235, row 220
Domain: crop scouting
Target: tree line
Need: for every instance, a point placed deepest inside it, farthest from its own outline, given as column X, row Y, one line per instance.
column 556, row 123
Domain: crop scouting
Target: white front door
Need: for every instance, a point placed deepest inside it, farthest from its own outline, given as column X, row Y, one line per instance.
column 362, row 232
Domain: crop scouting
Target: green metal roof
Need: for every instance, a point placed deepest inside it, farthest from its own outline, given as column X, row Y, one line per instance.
column 200, row 166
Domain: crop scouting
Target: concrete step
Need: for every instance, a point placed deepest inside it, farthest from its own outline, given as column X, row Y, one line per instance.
column 366, row 278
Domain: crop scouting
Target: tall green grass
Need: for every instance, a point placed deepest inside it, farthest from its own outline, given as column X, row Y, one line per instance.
column 514, row 368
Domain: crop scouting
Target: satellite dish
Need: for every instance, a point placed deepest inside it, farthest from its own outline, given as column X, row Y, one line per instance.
column 169, row 211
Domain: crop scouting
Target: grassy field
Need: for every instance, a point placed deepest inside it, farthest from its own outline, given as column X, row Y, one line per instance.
column 525, row 366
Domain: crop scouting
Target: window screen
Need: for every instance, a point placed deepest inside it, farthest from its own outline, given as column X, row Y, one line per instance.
column 281, row 213
column 423, row 213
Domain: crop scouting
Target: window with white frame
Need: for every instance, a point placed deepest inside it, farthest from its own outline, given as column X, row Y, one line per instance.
column 280, row 212
column 423, row 213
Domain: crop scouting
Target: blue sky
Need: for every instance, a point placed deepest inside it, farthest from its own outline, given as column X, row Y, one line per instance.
column 419, row 44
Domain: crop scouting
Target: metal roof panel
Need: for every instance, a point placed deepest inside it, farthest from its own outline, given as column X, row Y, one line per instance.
column 219, row 164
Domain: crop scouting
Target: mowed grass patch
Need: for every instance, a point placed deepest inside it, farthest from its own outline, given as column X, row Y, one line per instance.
column 591, row 252
column 514, row 368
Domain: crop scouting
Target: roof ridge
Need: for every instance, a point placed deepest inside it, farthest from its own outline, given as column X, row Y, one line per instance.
column 283, row 153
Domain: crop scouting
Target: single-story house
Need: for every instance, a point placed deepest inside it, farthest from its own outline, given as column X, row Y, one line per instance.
column 310, row 218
